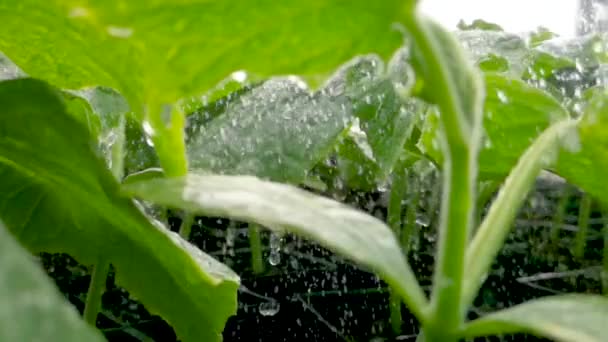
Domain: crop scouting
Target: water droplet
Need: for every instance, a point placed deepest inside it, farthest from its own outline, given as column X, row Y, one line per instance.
column 423, row 219
column 148, row 128
column 502, row 96
column 119, row 32
column 269, row 308
column 239, row 76
column 274, row 258
column 79, row 12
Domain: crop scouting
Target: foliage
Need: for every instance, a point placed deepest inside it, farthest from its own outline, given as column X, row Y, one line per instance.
column 32, row 309
column 80, row 161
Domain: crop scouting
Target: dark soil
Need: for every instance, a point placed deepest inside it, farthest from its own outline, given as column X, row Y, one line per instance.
column 323, row 298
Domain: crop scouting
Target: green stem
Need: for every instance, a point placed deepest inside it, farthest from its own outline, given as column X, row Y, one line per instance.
column 97, row 287
column 398, row 190
column 560, row 214
column 167, row 126
column 410, row 229
column 494, row 229
column 395, row 312
column 117, row 153
column 456, row 215
column 186, row 227
column 459, row 146
column 255, row 242
column 168, row 138
column 583, row 227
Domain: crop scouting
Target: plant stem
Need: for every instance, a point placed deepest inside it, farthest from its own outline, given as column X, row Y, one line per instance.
column 97, row 287
column 117, row 152
column 395, row 312
column 583, row 226
column 456, row 215
column 398, row 190
column 255, row 242
column 560, row 214
column 186, row 227
column 459, row 145
column 168, row 136
column 167, row 125
column 409, row 229
column 494, row 229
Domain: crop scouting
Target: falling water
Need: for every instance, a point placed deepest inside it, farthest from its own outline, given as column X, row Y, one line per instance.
column 274, row 258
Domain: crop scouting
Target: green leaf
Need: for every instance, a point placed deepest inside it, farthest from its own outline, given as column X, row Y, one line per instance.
column 202, row 110
column 162, row 51
column 586, row 159
column 543, row 65
column 277, row 131
column 567, row 318
column 429, row 142
column 32, row 308
column 493, row 63
column 539, row 36
column 139, row 148
column 479, row 24
column 375, row 141
column 514, row 115
column 346, row 231
column 507, row 47
column 58, row 196
column 492, row 233
column 110, row 110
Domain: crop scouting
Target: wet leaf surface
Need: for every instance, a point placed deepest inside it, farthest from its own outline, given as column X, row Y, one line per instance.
column 32, row 308
column 277, row 130
column 567, row 318
column 281, row 207
column 61, row 198
column 167, row 50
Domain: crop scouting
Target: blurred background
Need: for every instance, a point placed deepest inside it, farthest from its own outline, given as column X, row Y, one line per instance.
column 564, row 17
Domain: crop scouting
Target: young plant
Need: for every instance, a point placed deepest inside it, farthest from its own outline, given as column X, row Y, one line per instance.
column 62, row 197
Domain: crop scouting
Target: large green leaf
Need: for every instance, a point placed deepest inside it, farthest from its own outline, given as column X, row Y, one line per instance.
column 514, row 115
column 32, row 308
column 584, row 164
column 375, row 141
column 277, row 130
column 281, row 207
column 160, row 51
column 58, row 196
column 567, row 318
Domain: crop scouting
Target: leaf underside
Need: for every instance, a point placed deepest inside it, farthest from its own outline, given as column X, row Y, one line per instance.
column 58, row 196
column 32, row 308
column 281, row 207
column 567, row 318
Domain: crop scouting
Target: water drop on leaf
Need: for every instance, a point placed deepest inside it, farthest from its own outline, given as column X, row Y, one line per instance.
column 269, row 308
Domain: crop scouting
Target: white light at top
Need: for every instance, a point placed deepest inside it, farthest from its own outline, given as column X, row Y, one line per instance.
column 513, row 15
